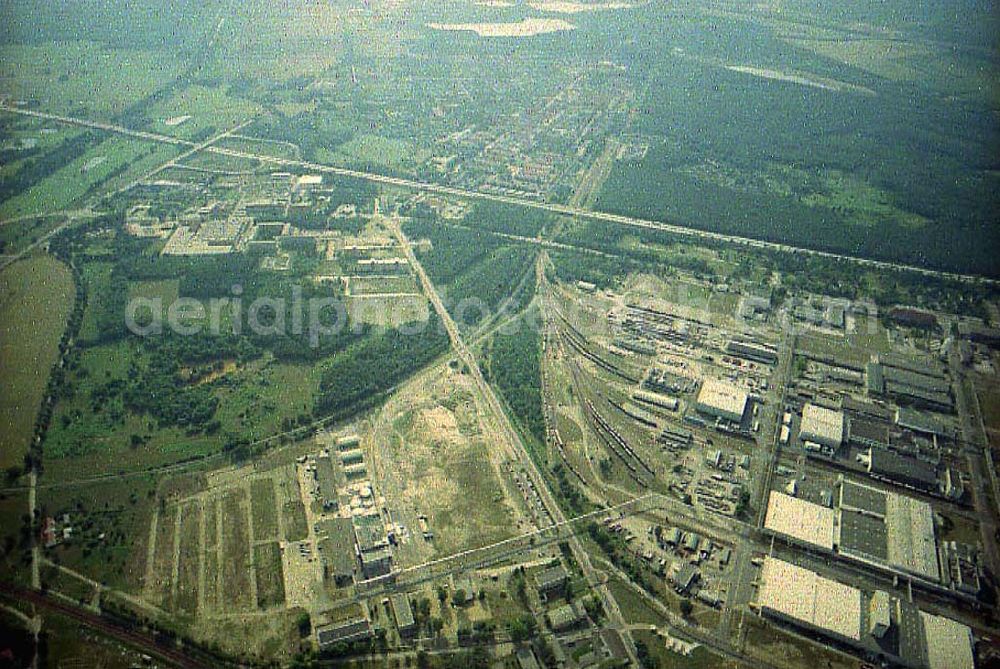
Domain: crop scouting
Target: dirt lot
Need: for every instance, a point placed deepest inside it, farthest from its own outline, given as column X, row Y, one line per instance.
column 431, row 457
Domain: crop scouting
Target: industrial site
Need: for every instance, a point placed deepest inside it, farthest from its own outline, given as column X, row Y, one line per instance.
column 499, row 335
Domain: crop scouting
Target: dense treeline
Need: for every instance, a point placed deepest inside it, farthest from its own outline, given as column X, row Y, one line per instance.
column 160, row 390
column 614, row 239
column 913, row 146
column 454, row 250
column 41, row 166
column 361, row 374
column 513, row 364
column 508, row 219
column 474, row 270
column 311, row 131
column 480, row 291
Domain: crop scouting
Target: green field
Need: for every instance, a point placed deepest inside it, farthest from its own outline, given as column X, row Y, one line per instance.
column 367, row 151
column 121, row 512
column 97, row 278
column 265, row 510
column 94, row 431
column 16, row 236
column 49, row 74
column 211, row 109
column 270, row 581
column 29, row 339
column 103, row 167
column 700, row 658
column 236, row 548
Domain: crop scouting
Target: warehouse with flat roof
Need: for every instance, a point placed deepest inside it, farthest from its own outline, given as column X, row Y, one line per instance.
column 885, row 529
column 881, row 626
column 902, row 469
column 949, row 644
column 795, row 594
column 723, row 400
column 888, row 528
column 910, row 536
column 403, row 613
column 822, row 426
column 800, row 520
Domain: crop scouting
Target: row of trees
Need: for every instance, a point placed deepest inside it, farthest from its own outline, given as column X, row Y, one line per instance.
column 361, row 374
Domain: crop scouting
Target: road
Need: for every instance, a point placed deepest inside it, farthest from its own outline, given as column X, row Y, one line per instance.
column 565, row 210
column 978, row 457
column 70, row 221
column 510, row 438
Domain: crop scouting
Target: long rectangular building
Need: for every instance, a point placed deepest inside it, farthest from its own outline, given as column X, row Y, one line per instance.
column 880, row 626
column 805, row 598
column 884, row 529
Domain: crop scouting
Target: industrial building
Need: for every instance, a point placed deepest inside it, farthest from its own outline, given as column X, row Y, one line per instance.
column 822, row 426
column 807, row 599
column 551, row 581
column 889, row 529
column 346, row 632
column 918, row 383
column 403, row 614
column 902, row 469
column 923, row 423
column 884, row 529
column 722, row 400
column 802, row 521
column 372, row 546
column 336, row 550
column 656, row 399
column 882, row 628
column 979, row 334
column 752, row 351
column 565, row 617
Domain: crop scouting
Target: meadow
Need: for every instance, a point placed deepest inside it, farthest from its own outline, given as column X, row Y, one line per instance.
column 29, row 344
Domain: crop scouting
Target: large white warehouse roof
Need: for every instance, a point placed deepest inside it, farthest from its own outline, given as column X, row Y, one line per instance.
column 806, row 597
column 722, row 399
column 807, row 522
column 824, row 426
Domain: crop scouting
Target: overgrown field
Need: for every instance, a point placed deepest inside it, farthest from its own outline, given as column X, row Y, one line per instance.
column 36, row 298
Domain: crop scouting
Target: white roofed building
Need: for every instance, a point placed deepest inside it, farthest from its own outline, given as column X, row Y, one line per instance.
column 804, row 597
column 721, row 399
column 800, row 520
column 822, row 426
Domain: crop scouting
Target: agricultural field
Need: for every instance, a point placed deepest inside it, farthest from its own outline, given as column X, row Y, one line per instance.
column 383, row 285
column 303, row 48
column 102, row 167
column 29, row 341
column 212, row 548
column 47, row 75
column 208, row 111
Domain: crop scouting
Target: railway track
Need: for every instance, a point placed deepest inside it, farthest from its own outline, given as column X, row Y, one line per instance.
column 143, row 641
